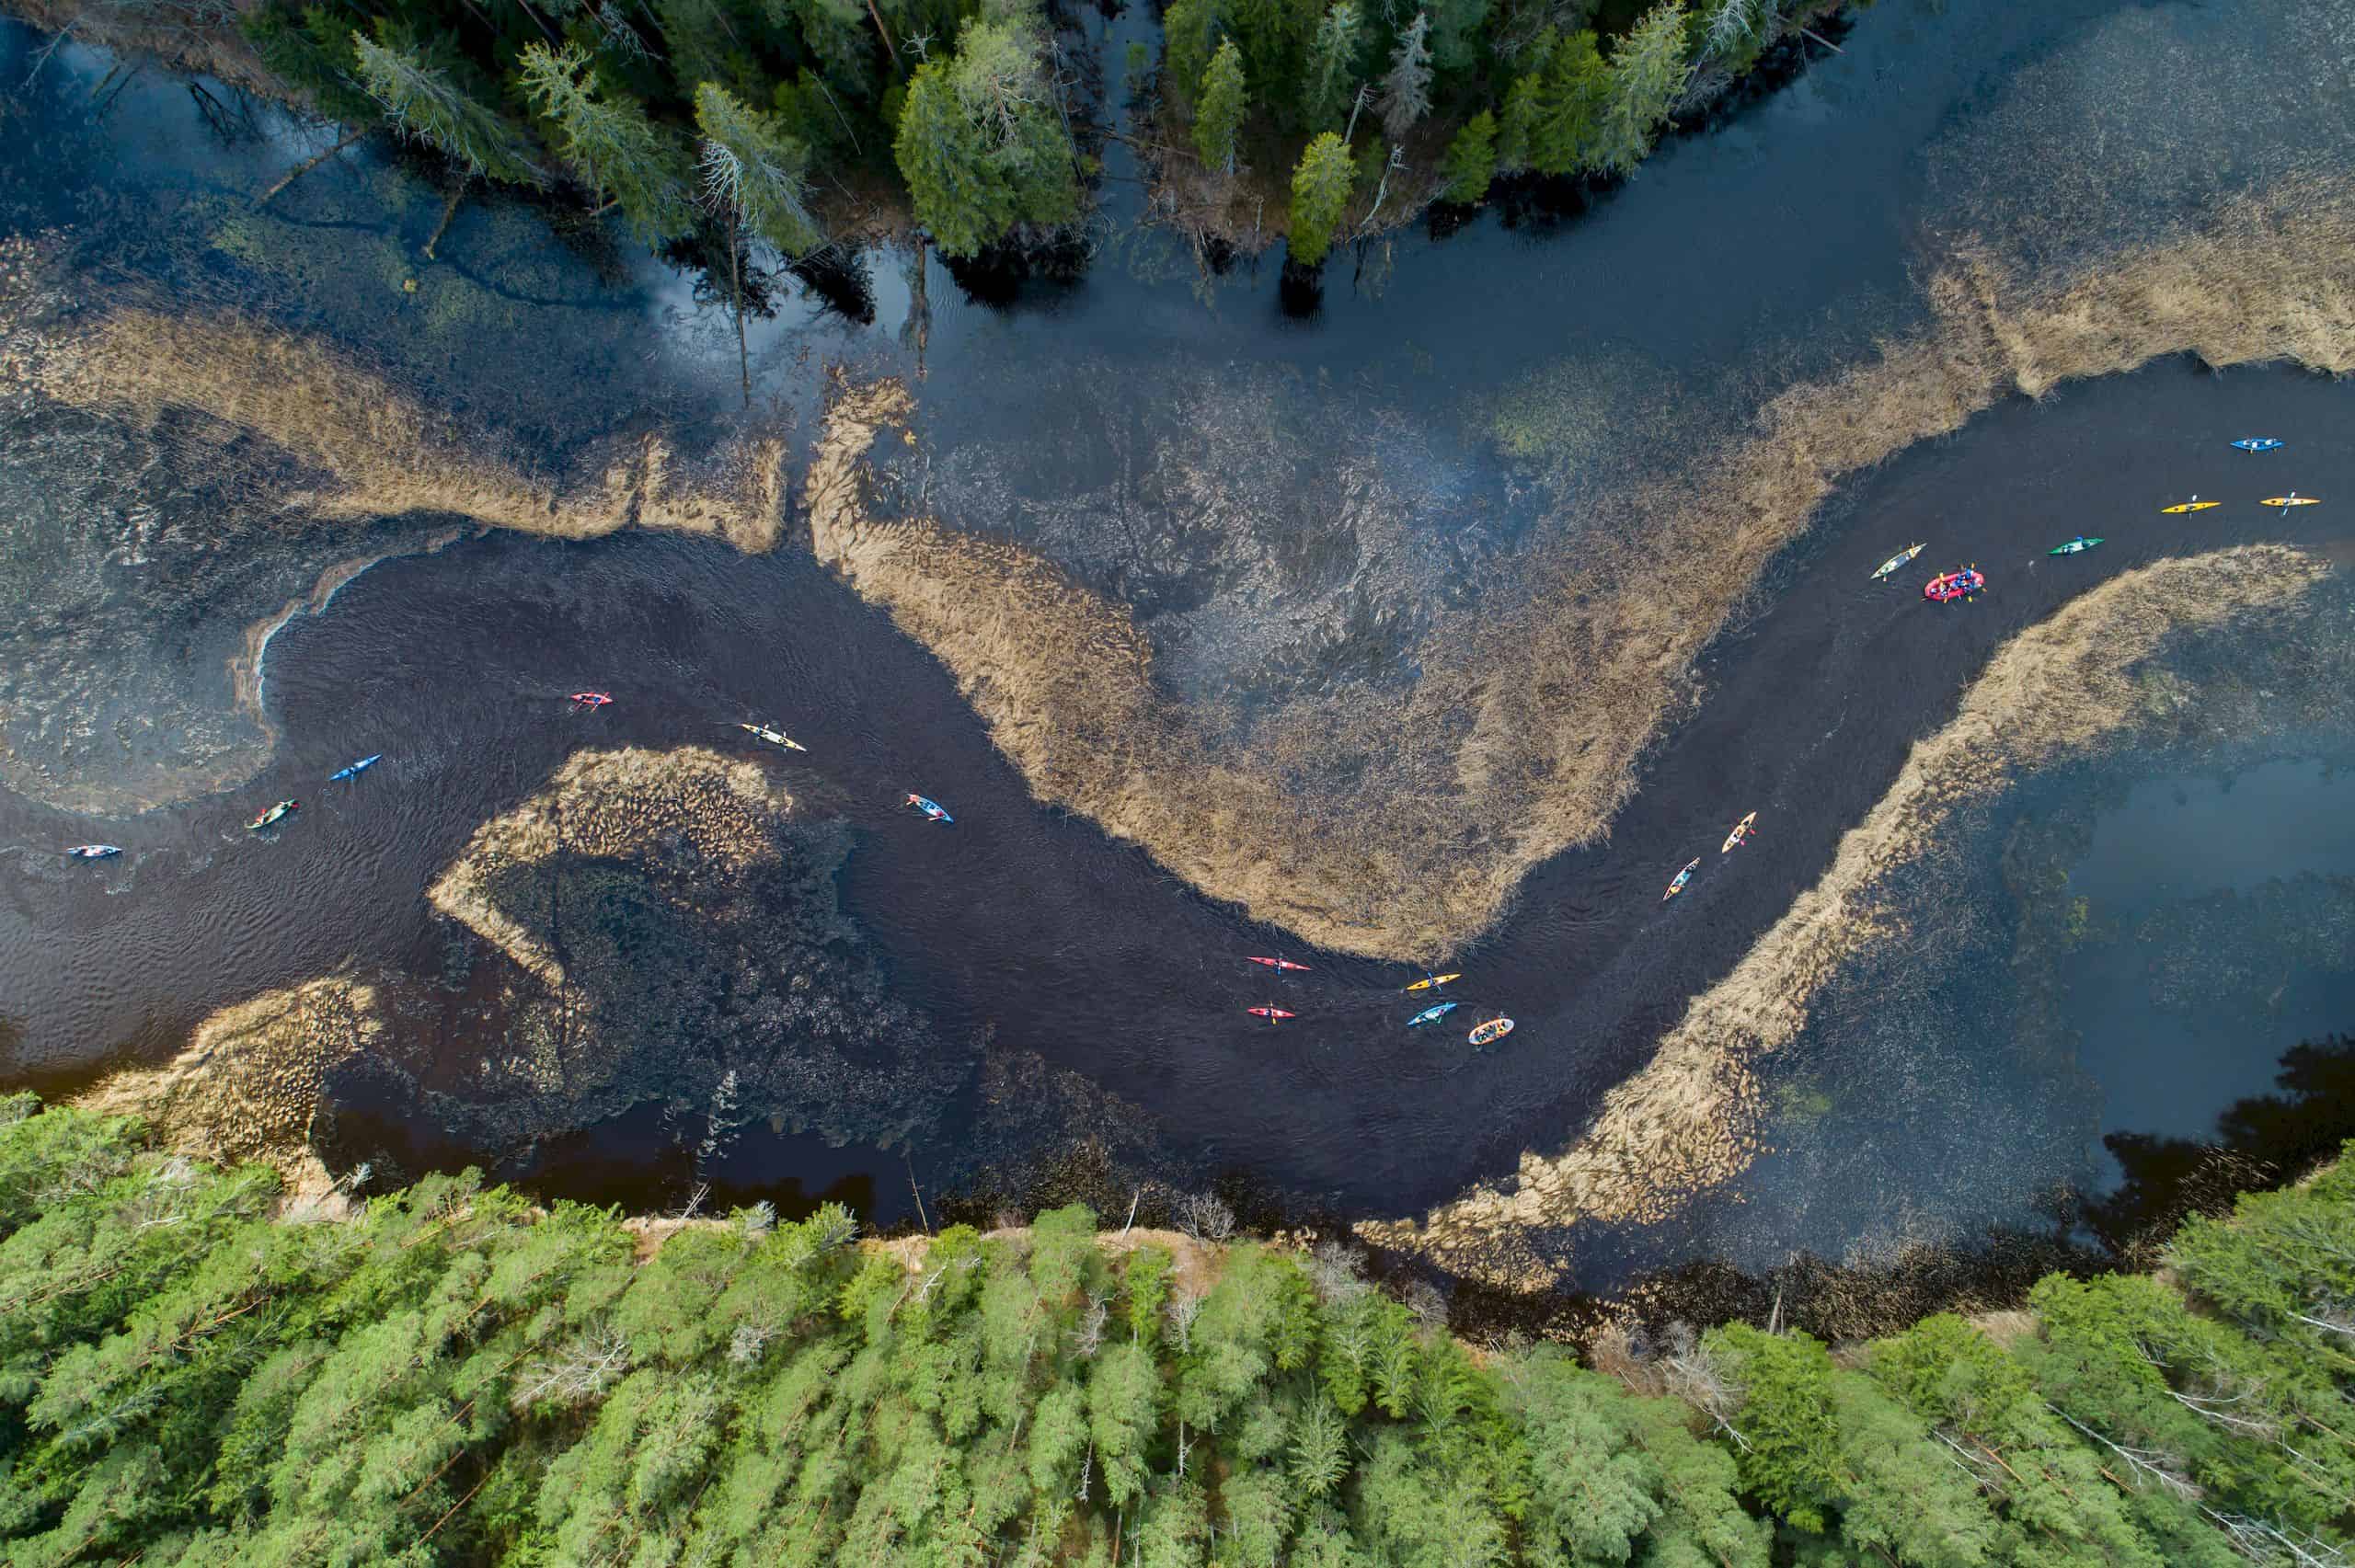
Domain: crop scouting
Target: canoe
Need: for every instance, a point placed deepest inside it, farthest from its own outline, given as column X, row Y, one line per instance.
column 276, row 814
column 2195, row 504
column 1741, row 832
column 2076, row 546
column 1429, row 1015
column 1495, row 1029
column 2260, row 443
column 931, row 809
column 1433, row 981
column 1891, row 565
column 1682, row 877
column 2292, row 499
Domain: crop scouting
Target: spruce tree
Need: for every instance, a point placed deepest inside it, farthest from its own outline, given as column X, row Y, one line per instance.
column 1472, row 160
column 1192, row 33
column 1407, row 88
column 609, row 141
column 1567, row 138
column 1648, row 73
column 1220, row 109
column 424, row 103
column 1320, row 191
column 1517, row 126
column 753, row 172
column 1332, row 74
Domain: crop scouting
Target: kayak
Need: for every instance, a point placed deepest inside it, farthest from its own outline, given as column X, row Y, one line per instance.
column 1269, row 1013
column 1740, row 835
column 774, row 737
column 2260, row 443
column 2195, row 504
column 1429, row 1014
column 1888, row 567
column 274, row 815
column 1434, row 983
column 1681, row 878
column 2292, row 499
column 95, row 851
column 1279, row 963
column 356, row 769
column 1495, row 1029
column 1946, row 587
column 2076, row 546
column 930, row 808
column 590, row 699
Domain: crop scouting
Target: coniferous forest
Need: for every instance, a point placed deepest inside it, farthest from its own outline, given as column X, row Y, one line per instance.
column 197, row 1371
column 732, row 123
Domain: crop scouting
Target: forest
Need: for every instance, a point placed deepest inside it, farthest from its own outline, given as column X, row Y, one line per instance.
column 197, row 1369
column 712, row 127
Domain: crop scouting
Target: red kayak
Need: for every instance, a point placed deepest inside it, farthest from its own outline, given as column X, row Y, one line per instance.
column 1269, row 1013
column 590, row 699
column 1278, row 964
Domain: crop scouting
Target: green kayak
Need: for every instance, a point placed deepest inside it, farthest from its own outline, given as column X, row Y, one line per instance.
column 2075, row 545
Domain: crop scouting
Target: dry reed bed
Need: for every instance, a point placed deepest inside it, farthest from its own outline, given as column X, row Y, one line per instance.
column 248, row 1086
column 1689, row 1121
column 1400, row 830
column 385, row 454
column 601, row 804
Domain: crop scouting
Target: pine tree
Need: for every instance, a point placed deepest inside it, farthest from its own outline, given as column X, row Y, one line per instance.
column 1332, row 75
column 609, row 141
column 426, row 105
column 1219, row 111
column 980, row 146
column 1407, row 89
column 1648, row 73
column 1472, row 160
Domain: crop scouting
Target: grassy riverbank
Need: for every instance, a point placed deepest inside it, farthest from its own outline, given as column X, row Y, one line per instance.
column 197, row 1375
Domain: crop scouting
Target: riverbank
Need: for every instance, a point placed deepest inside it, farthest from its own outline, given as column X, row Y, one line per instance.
column 451, row 1375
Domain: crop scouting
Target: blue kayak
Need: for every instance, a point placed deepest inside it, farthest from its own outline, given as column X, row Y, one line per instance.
column 95, row 851
column 1430, row 1014
column 356, row 769
column 2260, row 443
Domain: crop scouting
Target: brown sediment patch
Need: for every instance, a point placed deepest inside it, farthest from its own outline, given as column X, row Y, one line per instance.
column 1399, row 826
column 249, row 1085
column 384, row 452
column 627, row 802
column 1690, row 1120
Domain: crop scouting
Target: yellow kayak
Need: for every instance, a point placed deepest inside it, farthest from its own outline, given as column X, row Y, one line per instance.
column 1434, row 980
column 1741, row 834
column 774, row 737
column 2195, row 504
column 2292, row 499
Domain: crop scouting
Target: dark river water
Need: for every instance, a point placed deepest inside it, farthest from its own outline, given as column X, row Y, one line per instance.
column 1776, row 244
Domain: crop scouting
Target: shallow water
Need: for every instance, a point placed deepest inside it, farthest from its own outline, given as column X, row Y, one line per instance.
column 1287, row 503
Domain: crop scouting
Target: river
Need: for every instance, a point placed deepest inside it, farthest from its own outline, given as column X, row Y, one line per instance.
column 1293, row 496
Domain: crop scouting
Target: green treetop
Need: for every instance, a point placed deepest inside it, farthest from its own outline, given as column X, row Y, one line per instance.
column 608, row 140
column 1220, row 109
column 1647, row 75
column 980, row 144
